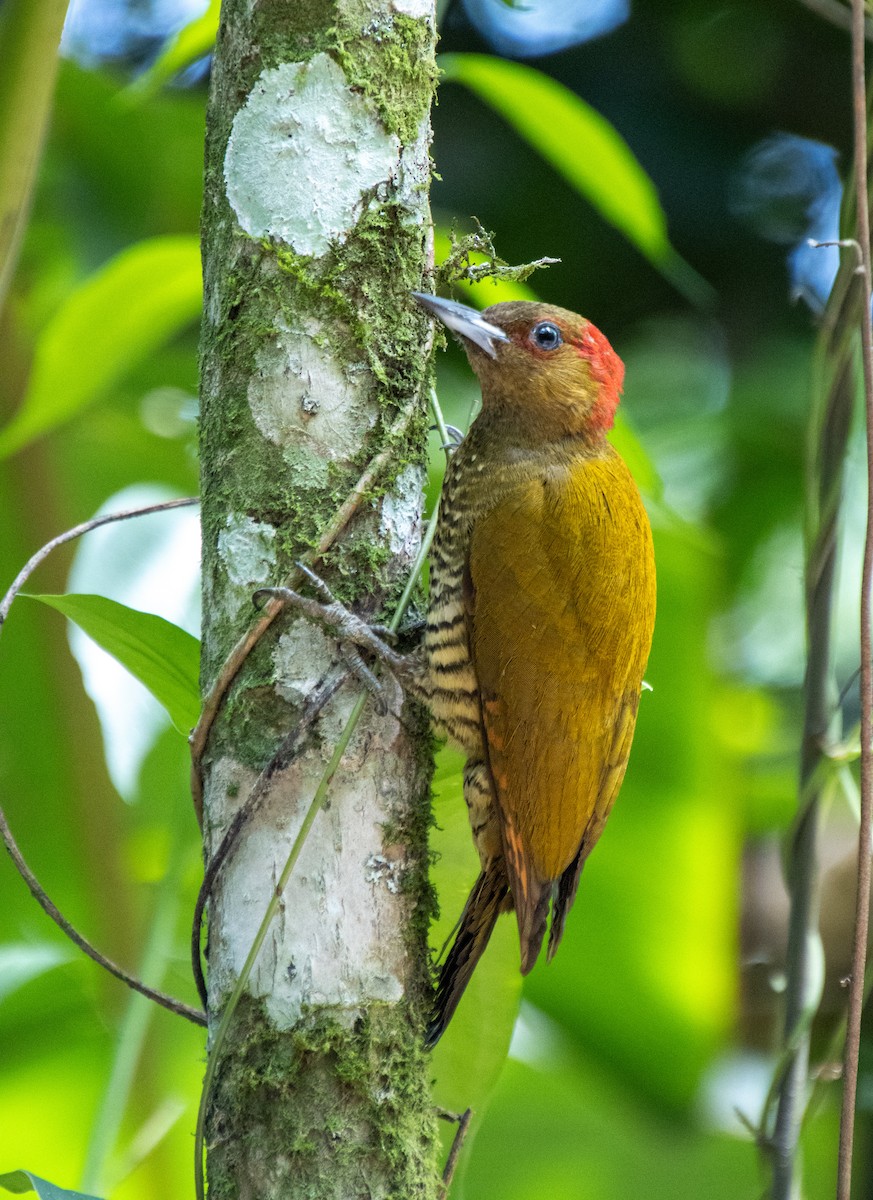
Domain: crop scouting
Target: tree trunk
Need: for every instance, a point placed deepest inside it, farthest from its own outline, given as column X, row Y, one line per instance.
column 315, row 228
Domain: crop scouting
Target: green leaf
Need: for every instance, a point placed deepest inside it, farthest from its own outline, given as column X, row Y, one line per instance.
column 111, row 323
column 583, row 147
column 190, row 43
column 22, row 961
column 20, row 1182
column 159, row 654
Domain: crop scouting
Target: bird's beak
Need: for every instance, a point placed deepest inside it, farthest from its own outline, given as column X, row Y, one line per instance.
column 464, row 321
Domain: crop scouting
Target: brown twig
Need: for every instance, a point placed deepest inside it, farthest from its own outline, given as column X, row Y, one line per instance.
column 830, row 432
column 42, row 554
column 41, row 897
column 289, row 748
column 843, row 243
column 240, row 652
column 463, row 1120
column 830, row 417
column 862, row 909
column 36, row 890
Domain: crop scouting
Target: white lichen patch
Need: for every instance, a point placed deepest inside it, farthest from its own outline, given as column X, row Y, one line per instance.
column 338, row 937
column 413, row 8
column 384, row 871
column 414, row 179
column 308, row 470
column 301, row 659
column 303, row 155
column 247, row 549
column 229, row 784
column 302, row 399
column 401, row 513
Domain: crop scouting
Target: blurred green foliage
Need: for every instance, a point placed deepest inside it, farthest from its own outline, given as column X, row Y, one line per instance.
column 660, row 1014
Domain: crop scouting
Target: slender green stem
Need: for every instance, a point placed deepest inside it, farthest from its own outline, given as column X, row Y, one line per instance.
column 315, row 806
column 439, row 420
column 406, row 596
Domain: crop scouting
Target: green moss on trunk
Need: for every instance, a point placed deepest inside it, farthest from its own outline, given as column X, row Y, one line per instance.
column 330, row 1111
column 338, row 1103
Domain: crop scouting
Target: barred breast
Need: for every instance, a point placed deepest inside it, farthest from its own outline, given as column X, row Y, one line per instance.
column 454, row 692
column 453, row 689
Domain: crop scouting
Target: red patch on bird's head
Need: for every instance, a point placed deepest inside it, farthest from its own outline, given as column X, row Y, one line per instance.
column 607, row 370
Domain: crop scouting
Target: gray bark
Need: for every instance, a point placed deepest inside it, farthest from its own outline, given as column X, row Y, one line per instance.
column 315, row 228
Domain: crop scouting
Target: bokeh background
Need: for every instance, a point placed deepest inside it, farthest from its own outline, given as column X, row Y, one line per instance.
column 641, row 1057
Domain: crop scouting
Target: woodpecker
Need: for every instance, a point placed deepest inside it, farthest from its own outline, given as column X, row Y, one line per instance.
column 542, row 607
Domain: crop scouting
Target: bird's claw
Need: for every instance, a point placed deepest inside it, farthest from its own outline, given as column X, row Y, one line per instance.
column 456, row 436
column 364, row 676
column 317, row 582
column 330, row 601
column 352, row 632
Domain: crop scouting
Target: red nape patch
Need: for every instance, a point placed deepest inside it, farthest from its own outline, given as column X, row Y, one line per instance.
column 607, row 369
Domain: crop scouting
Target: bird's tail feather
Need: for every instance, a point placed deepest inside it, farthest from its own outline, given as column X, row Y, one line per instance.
column 488, row 899
column 568, row 885
column 532, row 922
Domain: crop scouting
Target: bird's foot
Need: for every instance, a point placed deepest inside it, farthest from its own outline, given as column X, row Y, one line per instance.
column 351, row 656
column 456, row 436
column 353, row 633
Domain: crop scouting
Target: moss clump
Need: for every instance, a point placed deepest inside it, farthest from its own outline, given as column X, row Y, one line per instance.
column 410, row 827
column 323, row 1109
column 473, row 258
column 391, row 59
column 292, row 31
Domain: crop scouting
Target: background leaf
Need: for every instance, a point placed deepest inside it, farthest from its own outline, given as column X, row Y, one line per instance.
column 22, row 961
column 583, row 147
column 159, row 654
column 20, row 1182
column 111, row 323
column 470, row 1056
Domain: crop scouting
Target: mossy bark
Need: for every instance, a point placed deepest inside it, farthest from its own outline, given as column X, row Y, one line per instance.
column 315, row 229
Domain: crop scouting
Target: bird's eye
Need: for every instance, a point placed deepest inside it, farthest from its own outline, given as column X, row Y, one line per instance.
column 546, row 335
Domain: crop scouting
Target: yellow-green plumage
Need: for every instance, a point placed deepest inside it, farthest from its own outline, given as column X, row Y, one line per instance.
column 540, row 622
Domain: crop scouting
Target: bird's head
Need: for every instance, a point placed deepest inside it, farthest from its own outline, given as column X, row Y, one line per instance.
column 543, row 366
